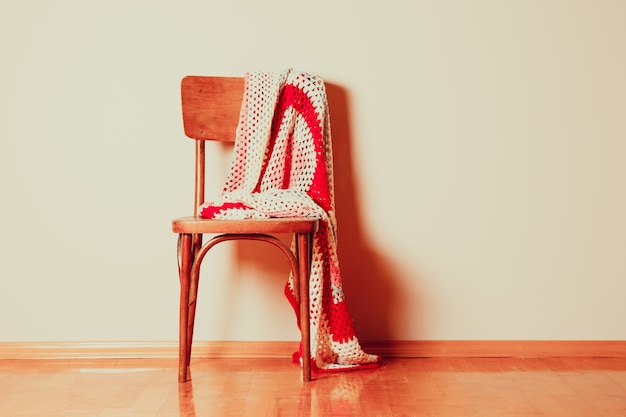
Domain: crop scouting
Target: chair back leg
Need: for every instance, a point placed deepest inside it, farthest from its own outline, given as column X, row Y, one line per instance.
column 303, row 241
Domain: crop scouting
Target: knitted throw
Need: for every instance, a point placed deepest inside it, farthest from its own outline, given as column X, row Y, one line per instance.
column 283, row 167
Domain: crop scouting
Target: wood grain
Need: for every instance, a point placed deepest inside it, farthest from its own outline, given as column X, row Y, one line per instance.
column 451, row 387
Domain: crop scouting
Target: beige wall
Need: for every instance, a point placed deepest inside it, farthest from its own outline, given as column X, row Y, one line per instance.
column 480, row 158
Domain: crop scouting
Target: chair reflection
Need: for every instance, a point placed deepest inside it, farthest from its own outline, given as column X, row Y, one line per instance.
column 231, row 387
column 332, row 394
column 186, row 406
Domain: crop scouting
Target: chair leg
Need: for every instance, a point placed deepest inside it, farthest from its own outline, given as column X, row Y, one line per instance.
column 186, row 259
column 196, row 245
column 304, row 266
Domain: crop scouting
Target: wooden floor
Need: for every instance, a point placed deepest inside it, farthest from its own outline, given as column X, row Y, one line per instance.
column 271, row 387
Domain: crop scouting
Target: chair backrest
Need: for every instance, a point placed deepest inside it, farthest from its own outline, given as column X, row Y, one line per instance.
column 211, row 107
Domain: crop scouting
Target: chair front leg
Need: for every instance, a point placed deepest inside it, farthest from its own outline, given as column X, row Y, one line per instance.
column 185, row 263
column 196, row 246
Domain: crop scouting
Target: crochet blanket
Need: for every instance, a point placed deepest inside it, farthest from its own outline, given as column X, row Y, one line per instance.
column 283, row 167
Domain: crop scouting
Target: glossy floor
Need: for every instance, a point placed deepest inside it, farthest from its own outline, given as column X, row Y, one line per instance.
column 260, row 387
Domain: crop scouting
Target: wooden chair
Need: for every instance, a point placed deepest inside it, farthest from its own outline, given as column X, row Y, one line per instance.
column 211, row 107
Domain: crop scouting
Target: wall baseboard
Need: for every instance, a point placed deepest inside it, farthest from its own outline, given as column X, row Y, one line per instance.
column 284, row 349
column 498, row 348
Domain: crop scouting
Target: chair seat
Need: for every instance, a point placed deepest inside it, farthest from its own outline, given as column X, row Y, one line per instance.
column 198, row 225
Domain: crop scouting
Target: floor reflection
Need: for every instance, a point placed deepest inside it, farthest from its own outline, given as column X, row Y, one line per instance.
column 251, row 393
column 337, row 394
column 186, row 406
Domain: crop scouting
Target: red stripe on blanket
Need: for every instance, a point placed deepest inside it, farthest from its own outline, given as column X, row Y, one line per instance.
column 211, row 212
column 294, row 97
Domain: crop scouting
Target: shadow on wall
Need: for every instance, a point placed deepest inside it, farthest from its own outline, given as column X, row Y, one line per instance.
column 369, row 281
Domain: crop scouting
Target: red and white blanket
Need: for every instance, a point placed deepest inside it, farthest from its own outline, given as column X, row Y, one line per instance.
column 283, row 167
